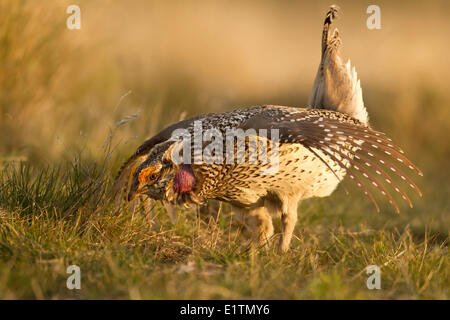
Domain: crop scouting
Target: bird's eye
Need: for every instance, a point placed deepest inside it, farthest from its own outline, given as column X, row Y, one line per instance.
column 147, row 174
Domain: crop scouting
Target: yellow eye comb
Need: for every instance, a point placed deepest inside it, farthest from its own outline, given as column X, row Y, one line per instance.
column 143, row 175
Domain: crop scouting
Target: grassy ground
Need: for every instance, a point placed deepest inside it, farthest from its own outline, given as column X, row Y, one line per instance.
column 64, row 93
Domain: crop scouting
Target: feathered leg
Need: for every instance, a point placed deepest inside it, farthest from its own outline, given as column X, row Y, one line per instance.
column 288, row 221
column 259, row 223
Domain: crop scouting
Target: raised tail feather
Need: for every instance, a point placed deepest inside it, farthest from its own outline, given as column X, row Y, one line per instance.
column 336, row 86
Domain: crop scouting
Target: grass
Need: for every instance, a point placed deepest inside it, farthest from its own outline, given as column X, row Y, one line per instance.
column 64, row 93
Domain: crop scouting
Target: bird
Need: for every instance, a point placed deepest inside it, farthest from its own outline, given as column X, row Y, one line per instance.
column 314, row 149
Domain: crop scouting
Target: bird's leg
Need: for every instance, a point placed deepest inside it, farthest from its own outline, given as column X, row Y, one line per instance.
column 260, row 225
column 288, row 221
column 259, row 222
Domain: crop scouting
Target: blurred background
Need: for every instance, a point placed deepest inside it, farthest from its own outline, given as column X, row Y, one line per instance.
column 151, row 63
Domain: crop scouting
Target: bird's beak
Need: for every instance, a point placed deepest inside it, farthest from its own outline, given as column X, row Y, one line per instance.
column 134, row 191
column 132, row 195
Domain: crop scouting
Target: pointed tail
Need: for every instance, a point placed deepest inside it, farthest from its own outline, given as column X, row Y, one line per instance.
column 336, row 86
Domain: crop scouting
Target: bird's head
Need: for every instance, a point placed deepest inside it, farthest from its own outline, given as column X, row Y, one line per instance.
column 160, row 179
column 150, row 178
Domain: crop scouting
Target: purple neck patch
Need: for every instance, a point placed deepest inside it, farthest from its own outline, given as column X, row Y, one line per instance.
column 184, row 180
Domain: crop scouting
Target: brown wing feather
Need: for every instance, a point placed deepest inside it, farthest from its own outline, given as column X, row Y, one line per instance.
column 365, row 162
column 341, row 137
